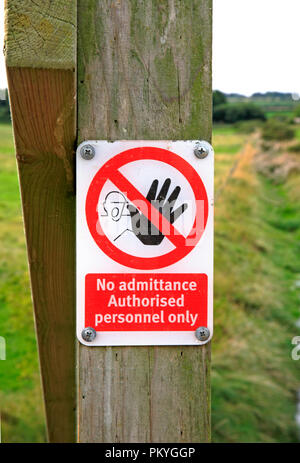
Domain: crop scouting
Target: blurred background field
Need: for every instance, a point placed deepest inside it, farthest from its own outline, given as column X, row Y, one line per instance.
column 20, row 392
column 255, row 382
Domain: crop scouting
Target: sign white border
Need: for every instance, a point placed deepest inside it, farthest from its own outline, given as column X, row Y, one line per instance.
column 199, row 260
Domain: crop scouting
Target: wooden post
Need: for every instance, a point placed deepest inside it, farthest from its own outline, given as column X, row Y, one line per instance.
column 144, row 72
column 40, row 49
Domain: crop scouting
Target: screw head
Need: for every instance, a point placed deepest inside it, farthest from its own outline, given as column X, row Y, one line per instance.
column 87, row 152
column 201, row 150
column 88, row 334
column 202, row 333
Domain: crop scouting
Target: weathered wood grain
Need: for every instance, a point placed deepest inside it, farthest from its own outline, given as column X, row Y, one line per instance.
column 44, row 123
column 40, row 33
column 144, row 72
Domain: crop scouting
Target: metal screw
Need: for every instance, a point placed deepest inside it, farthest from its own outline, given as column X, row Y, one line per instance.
column 202, row 333
column 87, row 152
column 88, row 334
column 201, row 150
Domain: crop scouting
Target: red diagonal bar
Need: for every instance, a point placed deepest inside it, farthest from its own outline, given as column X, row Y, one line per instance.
column 157, row 219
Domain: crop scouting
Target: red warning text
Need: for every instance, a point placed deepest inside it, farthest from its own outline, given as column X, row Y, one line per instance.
column 145, row 302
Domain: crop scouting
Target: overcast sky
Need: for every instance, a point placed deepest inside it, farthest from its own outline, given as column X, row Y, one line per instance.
column 256, row 46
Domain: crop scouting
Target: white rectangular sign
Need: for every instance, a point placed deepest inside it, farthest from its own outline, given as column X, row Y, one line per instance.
column 144, row 242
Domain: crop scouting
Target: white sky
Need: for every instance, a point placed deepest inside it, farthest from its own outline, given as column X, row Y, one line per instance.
column 255, row 47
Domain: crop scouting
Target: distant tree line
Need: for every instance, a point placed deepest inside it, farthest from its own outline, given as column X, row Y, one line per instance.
column 258, row 96
column 4, row 106
column 279, row 96
column 234, row 112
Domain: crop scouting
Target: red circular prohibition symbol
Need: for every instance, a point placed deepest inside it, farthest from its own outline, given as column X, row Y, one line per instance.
column 109, row 171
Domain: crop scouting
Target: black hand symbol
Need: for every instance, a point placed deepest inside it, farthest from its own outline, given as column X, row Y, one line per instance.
column 143, row 229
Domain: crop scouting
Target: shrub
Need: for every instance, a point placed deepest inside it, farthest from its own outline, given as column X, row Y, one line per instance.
column 287, row 118
column 218, row 98
column 294, row 148
column 247, row 127
column 4, row 114
column 231, row 113
column 274, row 129
column 4, row 106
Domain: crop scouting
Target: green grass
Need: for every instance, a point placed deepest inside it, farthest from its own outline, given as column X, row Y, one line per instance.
column 20, row 391
column 257, row 262
column 270, row 114
column 230, row 149
column 224, row 129
column 297, row 136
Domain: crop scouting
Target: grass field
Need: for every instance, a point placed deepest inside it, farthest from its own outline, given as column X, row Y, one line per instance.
column 20, row 391
column 257, row 266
